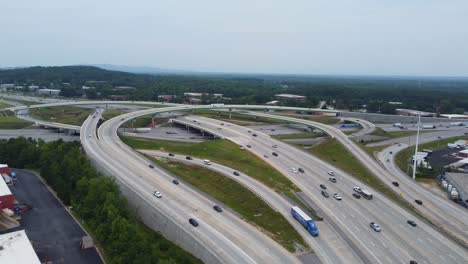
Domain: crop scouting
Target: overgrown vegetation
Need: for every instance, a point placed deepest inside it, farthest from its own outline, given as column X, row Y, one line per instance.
column 95, row 199
column 403, row 157
column 240, row 199
column 62, row 114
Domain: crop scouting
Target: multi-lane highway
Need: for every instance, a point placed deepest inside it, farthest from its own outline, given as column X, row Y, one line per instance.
column 452, row 218
column 228, row 238
column 398, row 243
column 329, row 246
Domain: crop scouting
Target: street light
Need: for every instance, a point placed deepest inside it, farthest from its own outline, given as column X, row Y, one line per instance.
column 416, row 149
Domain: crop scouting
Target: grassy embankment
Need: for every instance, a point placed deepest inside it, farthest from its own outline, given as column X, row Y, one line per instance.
column 402, row 158
column 63, row 114
column 298, row 135
column 240, row 199
column 237, row 118
column 9, row 121
column 334, row 153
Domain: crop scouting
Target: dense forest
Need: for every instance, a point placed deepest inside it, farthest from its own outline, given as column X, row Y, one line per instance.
column 96, row 199
column 439, row 95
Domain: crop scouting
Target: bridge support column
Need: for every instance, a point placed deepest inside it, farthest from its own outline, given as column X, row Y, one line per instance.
column 230, row 112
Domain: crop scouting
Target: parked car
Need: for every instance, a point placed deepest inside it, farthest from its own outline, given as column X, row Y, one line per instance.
column 236, row 173
column 331, row 173
column 375, row 226
column 301, row 170
column 189, row 158
column 332, row 179
column 395, row 183
column 151, row 166
column 176, row 182
column 193, row 222
column 323, row 186
column 325, row 194
column 274, row 154
column 337, row 197
column 411, row 223
column 418, row 202
column 157, row 194
column 357, row 196
column 217, row 209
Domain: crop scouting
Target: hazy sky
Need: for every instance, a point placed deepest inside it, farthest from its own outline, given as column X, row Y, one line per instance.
column 391, row 37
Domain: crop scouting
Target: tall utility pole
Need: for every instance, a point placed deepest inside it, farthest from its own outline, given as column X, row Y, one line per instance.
column 416, row 149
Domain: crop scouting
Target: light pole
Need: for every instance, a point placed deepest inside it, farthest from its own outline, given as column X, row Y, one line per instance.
column 416, row 149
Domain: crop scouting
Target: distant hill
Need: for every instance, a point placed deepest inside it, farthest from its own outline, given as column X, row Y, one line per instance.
column 141, row 69
column 69, row 74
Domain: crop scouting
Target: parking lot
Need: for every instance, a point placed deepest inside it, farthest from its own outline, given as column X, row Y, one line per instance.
column 53, row 232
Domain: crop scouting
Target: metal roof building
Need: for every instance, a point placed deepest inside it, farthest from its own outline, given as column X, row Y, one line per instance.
column 15, row 248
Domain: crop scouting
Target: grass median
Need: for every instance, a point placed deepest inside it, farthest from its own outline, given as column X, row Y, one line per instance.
column 298, row 135
column 225, row 152
column 12, row 122
column 240, row 199
column 64, row 114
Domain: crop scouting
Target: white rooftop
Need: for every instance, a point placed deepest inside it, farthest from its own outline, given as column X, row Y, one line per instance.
column 3, row 165
column 15, row 248
column 4, row 190
column 465, row 151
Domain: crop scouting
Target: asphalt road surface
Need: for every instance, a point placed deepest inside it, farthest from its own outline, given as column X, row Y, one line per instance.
column 226, row 236
column 329, row 246
column 397, row 243
column 54, row 234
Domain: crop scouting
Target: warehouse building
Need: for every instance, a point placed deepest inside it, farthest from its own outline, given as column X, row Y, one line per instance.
column 15, row 248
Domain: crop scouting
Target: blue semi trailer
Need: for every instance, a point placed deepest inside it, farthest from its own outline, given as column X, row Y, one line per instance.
column 305, row 220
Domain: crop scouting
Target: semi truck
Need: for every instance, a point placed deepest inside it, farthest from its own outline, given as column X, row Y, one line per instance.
column 305, row 220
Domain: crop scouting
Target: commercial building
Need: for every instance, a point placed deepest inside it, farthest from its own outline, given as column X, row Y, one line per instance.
column 6, row 197
column 290, row 97
column 463, row 153
column 48, row 91
column 4, row 169
column 454, row 116
column 15, row 248
column 411, row 112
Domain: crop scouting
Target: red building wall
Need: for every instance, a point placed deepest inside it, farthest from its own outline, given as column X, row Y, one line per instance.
column 5, row 170
column 6, row 201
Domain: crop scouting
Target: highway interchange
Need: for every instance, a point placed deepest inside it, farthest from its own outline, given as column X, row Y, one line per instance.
column 232, row 240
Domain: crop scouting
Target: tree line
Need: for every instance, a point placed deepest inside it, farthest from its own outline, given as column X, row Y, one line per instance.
column 449, row 95
column 96, row 199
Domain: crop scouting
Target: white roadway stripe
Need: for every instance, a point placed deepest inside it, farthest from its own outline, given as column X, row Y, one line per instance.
column 151, row 202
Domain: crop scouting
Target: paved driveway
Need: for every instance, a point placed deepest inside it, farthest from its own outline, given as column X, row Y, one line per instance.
column 53, row 232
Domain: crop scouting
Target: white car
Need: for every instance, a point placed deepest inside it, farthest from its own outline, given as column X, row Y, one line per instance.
column 357, row 189
column 294, row 170
column 337, row 196
column 157, row 194
column 375, row 226
column 331, row 173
